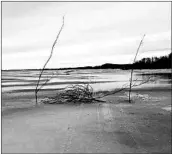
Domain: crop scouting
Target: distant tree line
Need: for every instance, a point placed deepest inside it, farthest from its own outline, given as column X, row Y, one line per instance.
column 154, row 62
column 145, row 63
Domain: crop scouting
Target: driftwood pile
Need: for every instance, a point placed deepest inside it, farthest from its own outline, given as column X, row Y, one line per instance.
column 74, row 94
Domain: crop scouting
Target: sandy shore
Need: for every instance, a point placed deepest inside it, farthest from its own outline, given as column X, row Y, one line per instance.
column 112, row 127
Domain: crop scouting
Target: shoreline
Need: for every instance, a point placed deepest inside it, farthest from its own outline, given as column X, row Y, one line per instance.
column 13, row 100
column 116, row 126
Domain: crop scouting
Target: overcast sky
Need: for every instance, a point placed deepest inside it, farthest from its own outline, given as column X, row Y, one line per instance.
column 94, row 32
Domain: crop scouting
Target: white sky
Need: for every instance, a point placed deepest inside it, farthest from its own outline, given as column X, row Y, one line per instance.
column 94, row 32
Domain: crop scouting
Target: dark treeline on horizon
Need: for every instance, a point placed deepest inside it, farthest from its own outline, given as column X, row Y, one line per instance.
column 154, row 62
column 145, row 63
column 162, row 62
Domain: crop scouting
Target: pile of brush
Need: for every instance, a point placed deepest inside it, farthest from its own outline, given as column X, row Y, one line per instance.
column 74, row 94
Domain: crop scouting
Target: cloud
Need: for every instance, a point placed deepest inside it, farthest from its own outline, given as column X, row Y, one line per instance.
column 94, row 33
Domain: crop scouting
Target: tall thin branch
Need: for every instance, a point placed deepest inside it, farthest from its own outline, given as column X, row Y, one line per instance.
column 124, row 87
column 133, row 69
column 42, row 70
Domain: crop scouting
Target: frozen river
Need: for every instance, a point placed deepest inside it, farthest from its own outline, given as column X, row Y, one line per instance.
column 99, row 79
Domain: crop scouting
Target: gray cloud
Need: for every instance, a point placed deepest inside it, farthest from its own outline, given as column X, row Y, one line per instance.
column 93, row 32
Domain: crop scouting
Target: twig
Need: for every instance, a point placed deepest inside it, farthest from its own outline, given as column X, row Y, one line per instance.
column 84, row 94
column 124, row 88
column 133, row 69
column 41, row 72
column 46, row 82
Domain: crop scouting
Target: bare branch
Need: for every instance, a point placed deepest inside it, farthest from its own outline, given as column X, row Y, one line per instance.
column 133, row 63
column 45, row 82
column 42, row 70
column 124, row 87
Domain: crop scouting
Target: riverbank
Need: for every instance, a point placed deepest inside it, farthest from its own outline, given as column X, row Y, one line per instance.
column 115, row 126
